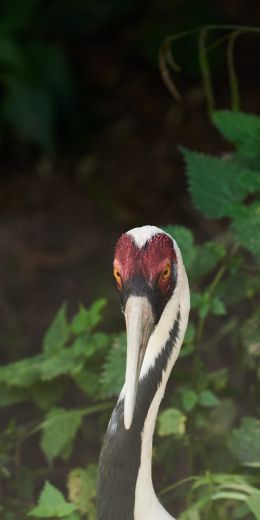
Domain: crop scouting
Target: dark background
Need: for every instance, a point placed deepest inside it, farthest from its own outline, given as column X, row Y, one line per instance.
column 89, row 138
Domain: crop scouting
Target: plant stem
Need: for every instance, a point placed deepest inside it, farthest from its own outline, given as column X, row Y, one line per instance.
column 218, row 277
column 205, row 70
column 167, row 489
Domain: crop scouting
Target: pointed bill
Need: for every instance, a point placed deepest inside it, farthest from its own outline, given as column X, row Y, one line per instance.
column 139, row 324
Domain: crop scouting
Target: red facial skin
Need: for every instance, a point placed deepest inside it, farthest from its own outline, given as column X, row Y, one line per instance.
column 148, row 261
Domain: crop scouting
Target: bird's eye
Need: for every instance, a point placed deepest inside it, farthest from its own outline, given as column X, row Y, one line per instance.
column 117, row 275
column 165, row 275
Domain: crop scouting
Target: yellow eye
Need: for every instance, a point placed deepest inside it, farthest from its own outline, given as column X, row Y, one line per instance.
column 166, row 273
column 117, row 275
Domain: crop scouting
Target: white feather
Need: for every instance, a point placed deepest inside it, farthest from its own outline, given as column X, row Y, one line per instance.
column 141, row 235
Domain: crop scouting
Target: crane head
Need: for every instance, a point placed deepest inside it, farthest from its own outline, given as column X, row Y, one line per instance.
column 145, row 269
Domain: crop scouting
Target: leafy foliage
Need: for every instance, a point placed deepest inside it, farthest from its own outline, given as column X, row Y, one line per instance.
column 243, row 130
column 82, row 489
column 217, row 185
column 59, row 429
column 212, row 414
column 52, row 503
column 244, row 441
column 171, row 422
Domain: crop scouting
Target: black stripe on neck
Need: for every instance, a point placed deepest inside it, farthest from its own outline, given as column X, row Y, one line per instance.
column 120, row 456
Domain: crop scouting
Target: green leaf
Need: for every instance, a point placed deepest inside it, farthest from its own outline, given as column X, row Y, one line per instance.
column 75, row 516
column 88, row 382
column 229, row 495
column 246, row 225
column 58, row 332
column 208, row 399
column 59, row 430
column 189, row 399
column 244, row 442
column 218, row 379
column 86, row 319
column 201, row 302
column 241, row 129
column 171, row 422
column 22, row 373
column 208, row 256
column 253, row 502
column 11, row 395
column 65, row 361
column 215, row 185
column 184, row 239
column 52, row 504
column 91, row 344
column 82, row 489
column 113, row 371
column 217, row 307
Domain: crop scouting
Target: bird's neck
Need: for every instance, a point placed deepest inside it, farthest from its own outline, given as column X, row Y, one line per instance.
column 125, row 490
column 171, row 337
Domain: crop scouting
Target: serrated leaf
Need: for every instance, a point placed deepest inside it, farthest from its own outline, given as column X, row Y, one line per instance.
column 86, row 319
column 215, row 185
column 59, row 429
column 244, row 442
column 88, row 382
column 58, row 332
column 241, row 129
column 22, row 373
column 65, row 361
column 246, row 225
column 208, row 399
column 82, row 489
column 91, row 344
column 184, row 239
column 171, row 422
column 113, row 371
column 52, row 504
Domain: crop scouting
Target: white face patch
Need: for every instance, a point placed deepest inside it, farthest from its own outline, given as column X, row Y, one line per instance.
column 143, row 234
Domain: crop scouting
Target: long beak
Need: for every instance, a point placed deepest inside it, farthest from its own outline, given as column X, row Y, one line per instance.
column 139, row 324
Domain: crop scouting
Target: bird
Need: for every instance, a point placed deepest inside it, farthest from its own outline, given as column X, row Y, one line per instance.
column 155, row 300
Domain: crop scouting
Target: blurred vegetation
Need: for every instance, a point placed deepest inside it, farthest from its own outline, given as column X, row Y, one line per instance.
column 49, row 100
column 209, row 425
column 53, row 88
